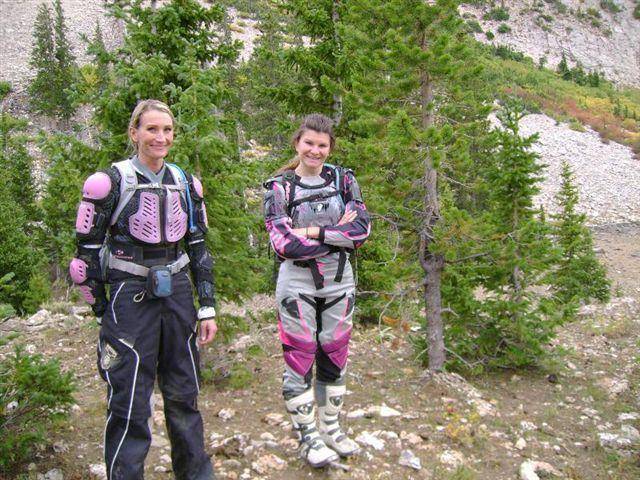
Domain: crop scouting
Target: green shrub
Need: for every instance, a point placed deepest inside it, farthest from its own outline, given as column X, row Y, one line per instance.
column 508, row 53
column 240, row 376
column 499, row 14
column 610, row 6
column 34, row 396
column 489, row 34
column 504, row 28
column 474, row 26
column 636, row 12
column 5, row 88
column 592, row 12
column 39, row 291
column 560, row 7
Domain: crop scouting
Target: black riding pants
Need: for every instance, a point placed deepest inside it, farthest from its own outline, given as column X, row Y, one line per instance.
column 142, row 338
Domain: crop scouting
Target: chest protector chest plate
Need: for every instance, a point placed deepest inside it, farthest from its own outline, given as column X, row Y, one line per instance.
column 160, row 216
column 315, row 205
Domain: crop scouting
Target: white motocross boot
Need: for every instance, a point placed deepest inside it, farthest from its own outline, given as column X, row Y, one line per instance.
column 328, row 416
column 312, row 447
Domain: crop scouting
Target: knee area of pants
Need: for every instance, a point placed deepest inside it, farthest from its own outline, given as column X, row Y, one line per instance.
column 180, row 402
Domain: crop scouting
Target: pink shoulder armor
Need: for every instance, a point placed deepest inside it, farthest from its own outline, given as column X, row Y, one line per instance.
column 97, row 186
column 198, row 186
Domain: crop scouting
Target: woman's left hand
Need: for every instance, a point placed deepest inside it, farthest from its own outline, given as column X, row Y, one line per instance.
column 208, row 329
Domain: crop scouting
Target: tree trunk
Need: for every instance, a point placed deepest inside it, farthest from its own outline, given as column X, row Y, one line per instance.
column 336, row 107
column 431, row 263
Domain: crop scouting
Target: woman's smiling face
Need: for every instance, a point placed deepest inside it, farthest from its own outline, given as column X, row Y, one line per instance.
column 154, row 135
column 313, row 148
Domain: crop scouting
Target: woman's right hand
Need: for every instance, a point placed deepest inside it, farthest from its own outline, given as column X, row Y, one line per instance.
column 348, row 217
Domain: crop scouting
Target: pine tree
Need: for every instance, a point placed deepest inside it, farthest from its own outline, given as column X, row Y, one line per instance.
column 19, row 213
column 321, row 70
column 262, row 80
column 65, row 63
column 43, row 97
column 416, row 79
column 54, row 63
column 579, row 276
column 514, row 321
column 563, row 68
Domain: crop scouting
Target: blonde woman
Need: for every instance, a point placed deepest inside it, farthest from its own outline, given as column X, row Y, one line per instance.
column 149, row 220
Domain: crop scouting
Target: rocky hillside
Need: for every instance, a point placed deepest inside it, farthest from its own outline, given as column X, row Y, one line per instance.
column 16, row 28
column 598, row 38
column 590, row 32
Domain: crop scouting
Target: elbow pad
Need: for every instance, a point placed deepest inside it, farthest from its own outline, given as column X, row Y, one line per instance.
column 92, row 218
column 352, row 187
column 199, row 207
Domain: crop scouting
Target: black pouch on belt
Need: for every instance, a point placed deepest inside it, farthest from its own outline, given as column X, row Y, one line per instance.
column 159, row 281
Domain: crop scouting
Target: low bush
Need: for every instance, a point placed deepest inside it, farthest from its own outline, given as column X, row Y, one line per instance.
column 610, row 6
column 34, row 397
column 499, row 14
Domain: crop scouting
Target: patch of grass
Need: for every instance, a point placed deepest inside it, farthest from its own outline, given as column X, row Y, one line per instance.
column 57, row 307
column 462, row 473
column 240, row 377
column 577, row 126
column 474, row 26
column 597, row 393
column 255, row 351
column 617, row 467
column 8, row 338
column 504, row 28
column 618, row 328
column 610, row 6
column 230, row 325
column 498, row 14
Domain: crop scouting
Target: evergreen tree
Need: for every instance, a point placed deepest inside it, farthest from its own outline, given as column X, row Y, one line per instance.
column 19, row 255
column 321, row 70
column 563, row 68
column 262, row 80
column 43, row 95
column 579, row 276
column 514, row 321
column 64, row 62
column 54, row 63
column 416, row 78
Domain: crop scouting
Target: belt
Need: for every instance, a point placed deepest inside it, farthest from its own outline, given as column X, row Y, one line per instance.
column 140, row 255
column 318, row 278
column 142, row 271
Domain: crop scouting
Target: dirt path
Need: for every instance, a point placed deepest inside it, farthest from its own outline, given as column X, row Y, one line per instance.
column 479, row 428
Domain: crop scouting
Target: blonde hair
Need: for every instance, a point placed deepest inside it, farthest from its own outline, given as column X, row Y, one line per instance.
column 142, row 107
column 316, row 122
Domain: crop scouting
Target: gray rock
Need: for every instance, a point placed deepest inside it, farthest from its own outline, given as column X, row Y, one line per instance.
column 408, row 459
column 529, row 470
column 98, row 471
column 369, row 440
column 54, row 474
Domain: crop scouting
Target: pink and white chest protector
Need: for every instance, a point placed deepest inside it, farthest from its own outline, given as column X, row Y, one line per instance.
column 144, row 225
column 176, row 217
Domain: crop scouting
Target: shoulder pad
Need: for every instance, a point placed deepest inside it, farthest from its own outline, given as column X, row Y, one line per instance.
column 197, row 186
column 97, row 186
column 278, row 179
